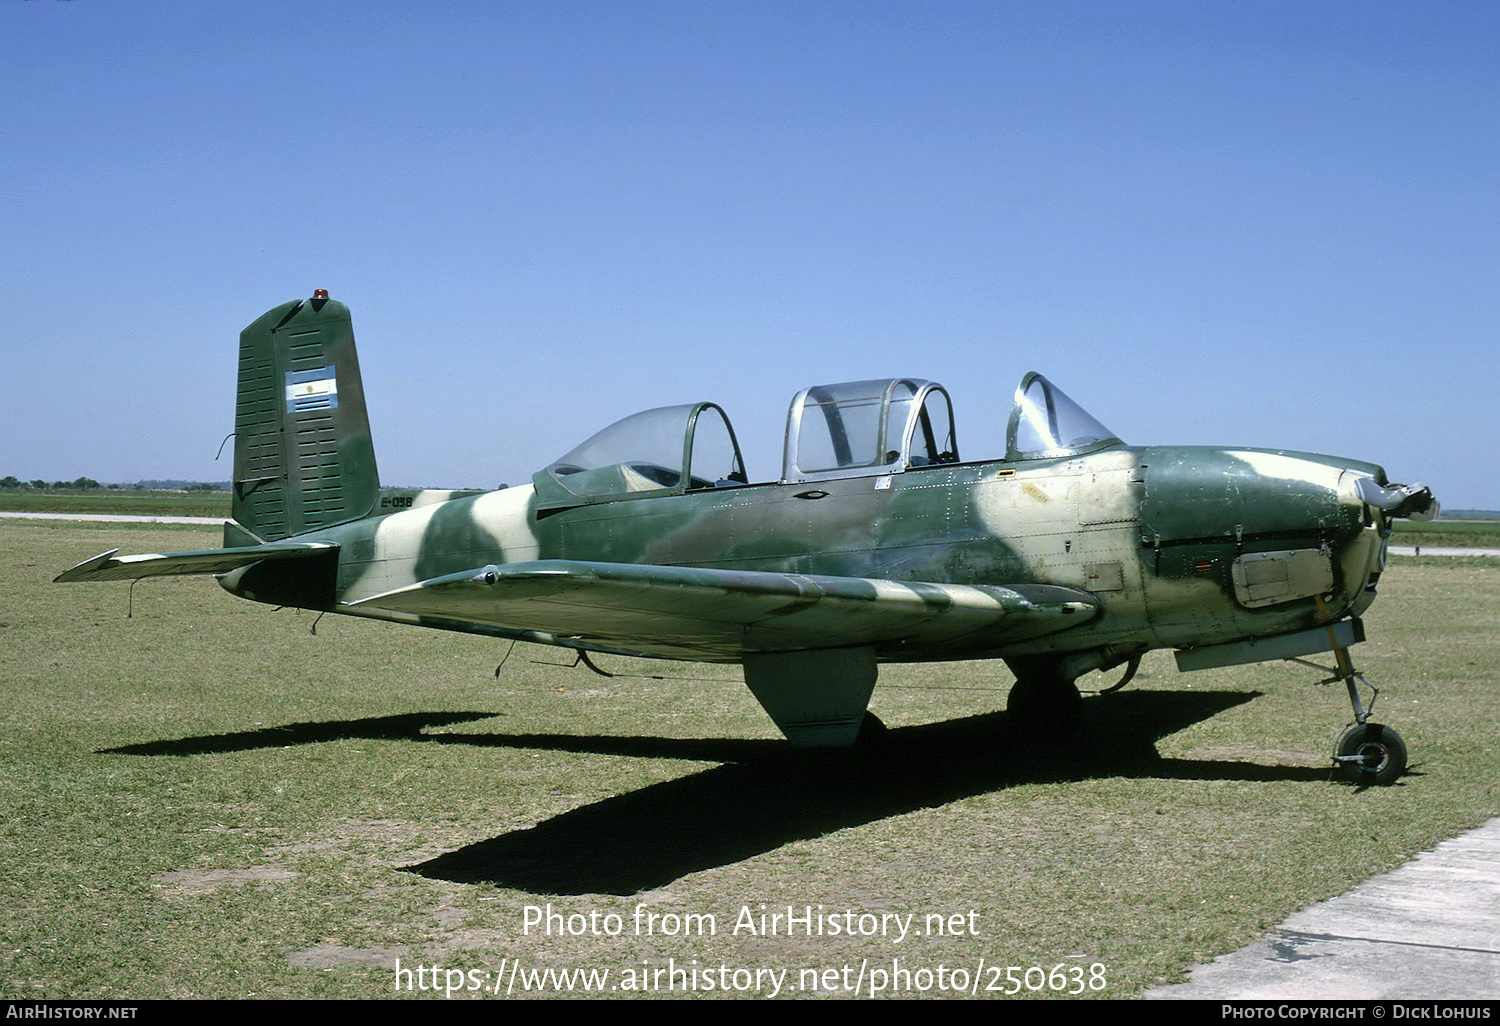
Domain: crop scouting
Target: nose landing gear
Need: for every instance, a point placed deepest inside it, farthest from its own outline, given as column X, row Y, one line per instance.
column 1367, row 753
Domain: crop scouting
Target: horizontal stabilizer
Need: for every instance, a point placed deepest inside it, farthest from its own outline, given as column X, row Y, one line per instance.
column 108, row 567
column 721, row 615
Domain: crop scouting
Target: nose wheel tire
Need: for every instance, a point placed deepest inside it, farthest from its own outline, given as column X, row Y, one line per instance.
column 1370, row 754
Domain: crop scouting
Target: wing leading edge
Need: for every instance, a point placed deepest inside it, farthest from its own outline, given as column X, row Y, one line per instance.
column 722, row 615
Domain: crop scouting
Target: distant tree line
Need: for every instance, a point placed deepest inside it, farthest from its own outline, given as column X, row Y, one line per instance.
column 10, row 481
column 88, row 484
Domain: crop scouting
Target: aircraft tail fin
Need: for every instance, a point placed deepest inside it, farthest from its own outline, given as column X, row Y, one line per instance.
column 303, row 458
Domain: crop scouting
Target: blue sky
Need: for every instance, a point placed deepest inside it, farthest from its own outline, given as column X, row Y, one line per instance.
column 1249, row 223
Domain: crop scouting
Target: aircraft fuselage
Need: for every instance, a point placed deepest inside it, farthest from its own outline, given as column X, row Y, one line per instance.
column 1155, row 535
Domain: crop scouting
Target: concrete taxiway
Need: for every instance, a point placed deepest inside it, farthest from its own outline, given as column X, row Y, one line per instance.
column 1429, row 930
column 114, row 518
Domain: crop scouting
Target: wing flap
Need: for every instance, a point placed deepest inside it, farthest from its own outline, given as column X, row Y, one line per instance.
column 108, row 567
column 707, row 613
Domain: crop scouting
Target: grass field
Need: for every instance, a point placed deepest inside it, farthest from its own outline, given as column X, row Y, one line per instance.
column 208, row 800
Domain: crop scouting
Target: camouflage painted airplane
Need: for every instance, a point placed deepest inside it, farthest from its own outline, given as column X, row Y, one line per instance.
column 1073, row 553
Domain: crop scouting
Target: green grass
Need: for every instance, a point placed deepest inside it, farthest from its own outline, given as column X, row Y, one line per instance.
column 122, row 501
column 207, row 800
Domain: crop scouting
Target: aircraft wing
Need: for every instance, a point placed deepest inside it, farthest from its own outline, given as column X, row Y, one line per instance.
column 721, row 615
column 107, row 567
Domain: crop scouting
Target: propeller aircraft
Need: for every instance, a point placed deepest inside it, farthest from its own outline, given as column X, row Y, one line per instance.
column 1074, row 552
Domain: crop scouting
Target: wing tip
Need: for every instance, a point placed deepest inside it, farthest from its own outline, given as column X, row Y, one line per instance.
column 84, row 571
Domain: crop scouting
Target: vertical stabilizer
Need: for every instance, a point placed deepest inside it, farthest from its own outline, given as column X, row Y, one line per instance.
column 303, row 458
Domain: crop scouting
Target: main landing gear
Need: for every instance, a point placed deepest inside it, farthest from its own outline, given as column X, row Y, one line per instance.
column 1045, row 700
column 1045, row 704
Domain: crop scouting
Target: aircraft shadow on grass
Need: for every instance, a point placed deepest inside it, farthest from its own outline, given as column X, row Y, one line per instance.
column 650, row 837
column 765, row 794
column 406, row 726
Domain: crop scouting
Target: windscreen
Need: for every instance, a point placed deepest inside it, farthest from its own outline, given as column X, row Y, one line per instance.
column 1047, row 423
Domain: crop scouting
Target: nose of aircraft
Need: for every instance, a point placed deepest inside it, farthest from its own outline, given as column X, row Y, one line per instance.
column 1252, row 495
column 1269, row 505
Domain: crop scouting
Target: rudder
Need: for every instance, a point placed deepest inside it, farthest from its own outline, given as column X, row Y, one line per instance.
column 303, row 457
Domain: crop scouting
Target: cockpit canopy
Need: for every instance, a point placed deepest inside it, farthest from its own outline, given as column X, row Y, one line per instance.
column 665, row 451
column 863, row 427
column 853, row 429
